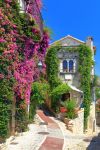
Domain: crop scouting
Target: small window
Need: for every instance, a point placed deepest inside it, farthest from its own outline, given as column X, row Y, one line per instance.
column 71, row 66
column 65, row 65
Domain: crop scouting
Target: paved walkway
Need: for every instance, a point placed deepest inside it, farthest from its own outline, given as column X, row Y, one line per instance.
column 48, row 133
column 54, row 139
column 45, row 134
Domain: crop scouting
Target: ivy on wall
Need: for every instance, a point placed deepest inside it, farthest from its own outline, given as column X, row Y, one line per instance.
column 85, row 64
column 52, row 63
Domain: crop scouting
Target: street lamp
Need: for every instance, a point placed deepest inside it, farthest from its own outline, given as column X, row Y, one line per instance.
column 40, row 65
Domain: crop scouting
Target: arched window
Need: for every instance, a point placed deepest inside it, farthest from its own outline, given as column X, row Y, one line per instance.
column 65, row 65
column 71, row 66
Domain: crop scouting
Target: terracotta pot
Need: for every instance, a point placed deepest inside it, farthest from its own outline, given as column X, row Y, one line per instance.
column 63, row 109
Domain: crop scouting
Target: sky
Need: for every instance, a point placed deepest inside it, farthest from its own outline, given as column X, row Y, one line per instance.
column 78, row 18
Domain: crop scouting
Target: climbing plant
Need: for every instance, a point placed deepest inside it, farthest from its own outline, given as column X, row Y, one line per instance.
column 85, row 65
column 6, row 94
column 21, row 47
column 52, row 63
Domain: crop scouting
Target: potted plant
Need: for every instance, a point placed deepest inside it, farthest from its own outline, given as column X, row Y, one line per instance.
column 70, row 106
column 63, row 109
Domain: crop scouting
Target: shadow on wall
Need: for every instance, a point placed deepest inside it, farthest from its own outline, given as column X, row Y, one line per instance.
column 95, row 143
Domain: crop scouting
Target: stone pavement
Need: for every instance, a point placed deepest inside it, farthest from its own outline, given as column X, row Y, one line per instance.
column 70, row 139
column 30, row 140
column 45, row 134
column 54, row 139
column 48, row 133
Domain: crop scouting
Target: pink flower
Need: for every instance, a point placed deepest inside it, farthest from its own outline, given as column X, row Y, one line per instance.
column 2, row 40
column 1, row 76
column 8, row 1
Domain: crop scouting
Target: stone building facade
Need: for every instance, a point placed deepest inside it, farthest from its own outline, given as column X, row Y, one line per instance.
column 69, row 62
column 68, row 66
column 68, row 71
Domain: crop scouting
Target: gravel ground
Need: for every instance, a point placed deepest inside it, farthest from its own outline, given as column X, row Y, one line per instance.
column 30, row 140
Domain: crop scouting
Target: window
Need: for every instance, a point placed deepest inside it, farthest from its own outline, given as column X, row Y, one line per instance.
column 71, row 66
column 65, row 65
column 68, row 66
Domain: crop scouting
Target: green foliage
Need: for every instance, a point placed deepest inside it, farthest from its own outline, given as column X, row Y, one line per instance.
column 21, row 116
column 4, row 117
column 40, row 92
column 56, row 94
column 95, row 81
column 97, row 92
column 6, row 91
column 48, row 30
column 60, row 90
column 85, row 64
column 6, row 96
column 52, row 63
column 70, row 106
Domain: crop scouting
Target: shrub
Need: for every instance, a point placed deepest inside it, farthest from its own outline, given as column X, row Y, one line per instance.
column 40, row 92
column 60, row 90
column 6, row 95
column 70, row 106
column 21, row 116
column 57, row 93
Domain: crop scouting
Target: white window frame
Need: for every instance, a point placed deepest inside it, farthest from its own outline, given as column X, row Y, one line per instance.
column 68, row 60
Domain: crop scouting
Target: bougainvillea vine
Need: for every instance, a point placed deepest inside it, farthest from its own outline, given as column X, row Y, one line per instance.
column 21, row 47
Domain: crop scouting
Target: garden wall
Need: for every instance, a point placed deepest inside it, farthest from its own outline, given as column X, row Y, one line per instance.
column 92, row 119
column 78, row 123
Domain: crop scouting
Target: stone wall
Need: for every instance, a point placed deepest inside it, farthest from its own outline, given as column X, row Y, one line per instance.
column 77, row 96
column 92, row 119
column 78, row 123
column 76, row 126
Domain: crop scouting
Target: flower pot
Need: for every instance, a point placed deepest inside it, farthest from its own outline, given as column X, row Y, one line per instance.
column 63, row 109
